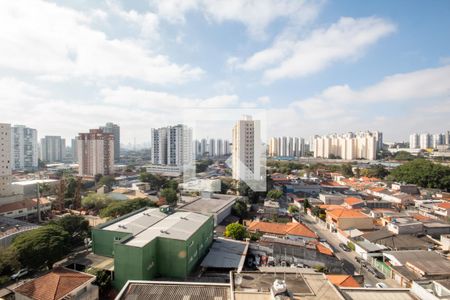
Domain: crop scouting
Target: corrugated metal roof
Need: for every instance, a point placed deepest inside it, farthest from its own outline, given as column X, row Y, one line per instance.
column 137, row 222
column 226, row 254
column 177, row 291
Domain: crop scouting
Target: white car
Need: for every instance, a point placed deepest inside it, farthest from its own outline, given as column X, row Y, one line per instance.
column 381, row 285
column 367, row 285
column 19, row 274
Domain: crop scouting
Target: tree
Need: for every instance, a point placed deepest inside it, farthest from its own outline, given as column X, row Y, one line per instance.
column 103, row 279
column 76, row 226
column 119, row 208
column 71, row 185
column 236, row 231
column 108, row 180
column 202, row 165
column 403, row 155
column 172, row 184
column 292, row 209
column 156, row 181
column 239, row 209
column 95, row 201
column 97, row 177
column 378, row 171
column 423, row 173
column 170, row 195
column 274, row 194
column 9, row 261
column 42, row 246
column 346, row 170
column 306, row 205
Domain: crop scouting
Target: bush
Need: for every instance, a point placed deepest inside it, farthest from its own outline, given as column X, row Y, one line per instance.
column 236, row 231
column 119, row 208
column 351, row 246
column 239, row 209
column 95, row 201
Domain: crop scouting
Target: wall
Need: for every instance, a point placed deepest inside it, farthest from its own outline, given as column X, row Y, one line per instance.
column 127, row 264
column 103, row 241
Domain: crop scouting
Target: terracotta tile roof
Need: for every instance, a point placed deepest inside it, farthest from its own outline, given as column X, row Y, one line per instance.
column 24, row 204
column 324, row 250
column 330, row 206
column 377, row 189
column 282, row 229
column 445, row 205
column 54, row 285
column 346, row 213
column 331, row 183
column 352, row 200
column 343, row 280
column 421, row 217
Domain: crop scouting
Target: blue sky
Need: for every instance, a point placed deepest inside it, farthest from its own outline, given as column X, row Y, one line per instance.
column 316, row 67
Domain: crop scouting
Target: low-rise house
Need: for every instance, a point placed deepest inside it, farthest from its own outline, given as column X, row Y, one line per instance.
column 28, row 188
column 25, row 208
column 436, row 228
column 412, row 265
column 353, row 203
column 411, row 189
column 432, row 289
column 344, row 219
column 60, row 283
column 292, row 231
column 405, row 226
column 331, row 198
column 442, row 209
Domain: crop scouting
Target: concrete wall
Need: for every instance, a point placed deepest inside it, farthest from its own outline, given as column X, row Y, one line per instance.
column 103, row 241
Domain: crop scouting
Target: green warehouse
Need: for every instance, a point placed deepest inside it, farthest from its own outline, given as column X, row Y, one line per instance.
column 150, row 243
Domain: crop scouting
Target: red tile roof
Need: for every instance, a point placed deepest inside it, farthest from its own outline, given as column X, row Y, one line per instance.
column 324, row 250
column 343, row 280
column 297, row 229
column 54, row 285
column 445, row 205
column 346, row 213
column 24, row 204
column 352, row 200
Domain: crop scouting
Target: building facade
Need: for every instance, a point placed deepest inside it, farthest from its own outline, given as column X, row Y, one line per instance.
column 53, row 148
column 24, row 148
column 95, row 153
column 361, row 145
column 172, row 145
column 5, row 160
column 114, row 129
column 246, row 159
column 286, row 147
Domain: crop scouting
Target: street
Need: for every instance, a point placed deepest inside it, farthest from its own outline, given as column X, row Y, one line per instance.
column 348, row 258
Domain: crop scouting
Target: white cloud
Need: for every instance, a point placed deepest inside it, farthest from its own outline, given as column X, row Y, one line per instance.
column 50, row 41
column 424, row 94
column 256, row 15
column 290, row 57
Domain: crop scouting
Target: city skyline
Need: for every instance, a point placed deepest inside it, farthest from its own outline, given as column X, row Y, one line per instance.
column 140, row 65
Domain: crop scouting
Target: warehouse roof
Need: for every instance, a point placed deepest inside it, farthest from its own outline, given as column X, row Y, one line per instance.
column 136, row 223
column 210, row 205
column 178, row 226
column 376, row 294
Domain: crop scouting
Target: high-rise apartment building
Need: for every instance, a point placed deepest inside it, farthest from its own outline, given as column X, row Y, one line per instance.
column 287, row 146
column 53, row 148
column 74, row 149
column 212, row 147
column 115, row 130
column 362, row 145
column 172, row 145
column 246, row 159
column 425, row 141
column 414, row 141
column 226, row 147
column 219, row 148
column 437, row 139
column 24, row 148
column 95, row 153
column 5, row 160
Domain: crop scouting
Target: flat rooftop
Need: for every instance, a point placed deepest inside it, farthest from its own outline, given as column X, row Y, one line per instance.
column 309, row 286
column 136, row 222
column 210, row 205
column 226, row 254
column 376, row 294
column 135, row 290
column 429, row 262
column 33, row 181
column 178, row 226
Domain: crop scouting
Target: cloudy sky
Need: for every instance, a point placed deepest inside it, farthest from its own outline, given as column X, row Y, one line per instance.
column 314, row 67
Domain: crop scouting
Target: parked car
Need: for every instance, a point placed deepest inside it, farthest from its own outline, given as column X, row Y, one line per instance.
column 20, row 273
column 381, row 285
column 367, row 285
column 344, row 247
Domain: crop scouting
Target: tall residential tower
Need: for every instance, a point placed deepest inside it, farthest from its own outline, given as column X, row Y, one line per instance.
column 95, row 153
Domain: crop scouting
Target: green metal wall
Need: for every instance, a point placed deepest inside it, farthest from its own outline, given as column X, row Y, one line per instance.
column 161, row 257
column 103, row 241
